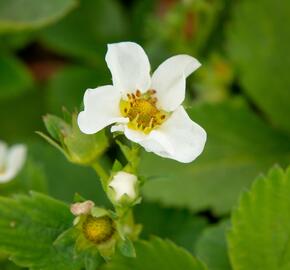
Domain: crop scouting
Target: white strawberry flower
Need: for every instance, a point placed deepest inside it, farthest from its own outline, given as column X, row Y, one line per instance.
column 147, row 109
column 11, row 161
column 124, row 183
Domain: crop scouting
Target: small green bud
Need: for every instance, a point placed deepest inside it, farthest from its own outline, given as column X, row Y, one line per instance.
column 97, row 229
column 78, row 147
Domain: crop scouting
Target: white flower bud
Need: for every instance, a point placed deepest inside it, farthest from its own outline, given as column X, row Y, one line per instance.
column 82, row 208
column 123, row 183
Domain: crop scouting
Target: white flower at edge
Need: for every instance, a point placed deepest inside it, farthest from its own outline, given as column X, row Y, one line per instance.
column 11, row 161
column 123, row 183
column 147, row 109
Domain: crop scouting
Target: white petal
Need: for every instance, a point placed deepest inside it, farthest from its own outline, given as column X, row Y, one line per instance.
column 3, row 153
column 169, row 80
column 118, row 128
column 101, row 109
column 16, row 157
column 139, row 137
column 129, row 66
column 124, row 183
column 134, row 135
column 178, row 138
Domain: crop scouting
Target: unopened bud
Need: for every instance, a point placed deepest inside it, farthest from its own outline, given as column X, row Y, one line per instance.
column 82, row 208
column 123, row 187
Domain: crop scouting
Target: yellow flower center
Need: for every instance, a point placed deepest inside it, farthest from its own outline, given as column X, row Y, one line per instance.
column 142, row 111
column 98, row 230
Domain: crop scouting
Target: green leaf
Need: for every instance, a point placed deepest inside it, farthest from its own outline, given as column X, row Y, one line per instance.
column 31, row 177
column 155, row 255
column 84, row 33
column 239, row 147
column 259, row 48
column 15, row 41
column 180, row 226
column 15, row 79
column 64, row 178
column 27, row 14
column 7, row 265
column 211, row 247
column 259, row 237
column 68, row 85
column 90, row 257
column 28, row 228
column 24, row 120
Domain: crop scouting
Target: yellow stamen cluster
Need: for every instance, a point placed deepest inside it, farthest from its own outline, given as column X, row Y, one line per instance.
column 142, row 111
column 98, row 230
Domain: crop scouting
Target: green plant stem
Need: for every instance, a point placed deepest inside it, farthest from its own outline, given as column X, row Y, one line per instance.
column 125, row 214
column 104, row 177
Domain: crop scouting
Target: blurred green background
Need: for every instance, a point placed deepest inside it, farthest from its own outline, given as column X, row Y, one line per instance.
column 51, row 51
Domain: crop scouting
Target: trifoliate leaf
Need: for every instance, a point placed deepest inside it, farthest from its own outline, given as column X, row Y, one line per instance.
column 27, row 14
column 156, row 254
column 258, row 45
column 15, row 80
column 259, row 237
column 212, row 249
column 29, row 227
column 238, row 148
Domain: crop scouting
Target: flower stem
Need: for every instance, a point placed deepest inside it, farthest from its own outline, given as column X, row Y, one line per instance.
column 102, row 174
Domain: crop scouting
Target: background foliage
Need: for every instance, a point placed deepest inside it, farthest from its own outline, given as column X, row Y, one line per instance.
column 51, row 52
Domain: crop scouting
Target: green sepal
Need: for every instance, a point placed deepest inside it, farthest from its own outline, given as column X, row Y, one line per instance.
column 79, row 198
column 125, row 201
column 78, row 147
column 99, row 212
column 126, row 248
column 92, row 259
column 53, row 143
column 67, row 237
column 83, row 148
column 89, row 253
column 117, row 166
column 131, row 154
column 56, row 127
column 106, row 249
